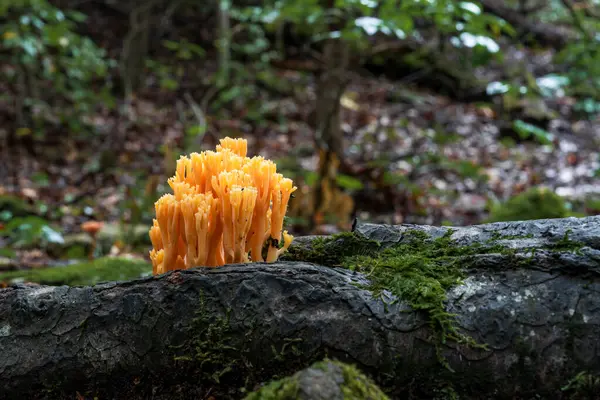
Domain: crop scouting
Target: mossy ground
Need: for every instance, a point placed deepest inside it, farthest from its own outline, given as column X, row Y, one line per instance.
column 104, row 269
column 535, row 203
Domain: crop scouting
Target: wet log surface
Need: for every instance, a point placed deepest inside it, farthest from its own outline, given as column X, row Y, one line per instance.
column 204, row 332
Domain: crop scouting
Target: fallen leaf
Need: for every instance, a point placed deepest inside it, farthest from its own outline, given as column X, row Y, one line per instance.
column 349, row 103
column 30, row 193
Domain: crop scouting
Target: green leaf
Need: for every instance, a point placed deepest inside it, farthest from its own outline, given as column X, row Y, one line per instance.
column 348, row 182
column 311, row 178
column 77, row 16
column 169, row 84
column 171, row 45
column 526, row 130
column 196, row 130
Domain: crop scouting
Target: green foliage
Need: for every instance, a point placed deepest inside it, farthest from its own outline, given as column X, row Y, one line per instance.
column 356, row 385
column 12, row 206
column 31, row 231
column 57, row 73
column 8, row 253
column 354, row 20
column 584, row 385
column 525, row 131
column 579, row 60
column 532, row 204
column 283, row 389
column 184, row 50
column 348, row 182
column 582, row 58
column 104, row 269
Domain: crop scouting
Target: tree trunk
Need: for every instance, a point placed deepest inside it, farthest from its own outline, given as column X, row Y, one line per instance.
column 207, row 332
column 329, row 136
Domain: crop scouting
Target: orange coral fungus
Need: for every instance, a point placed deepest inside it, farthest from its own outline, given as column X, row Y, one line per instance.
column 224, row 208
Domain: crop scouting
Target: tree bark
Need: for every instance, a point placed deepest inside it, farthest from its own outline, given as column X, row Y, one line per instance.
column 207, row 332
column 329, row 137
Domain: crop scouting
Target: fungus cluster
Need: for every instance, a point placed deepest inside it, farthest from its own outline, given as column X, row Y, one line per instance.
column 224, row 209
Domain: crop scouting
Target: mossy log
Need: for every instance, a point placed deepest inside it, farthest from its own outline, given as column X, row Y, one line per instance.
column 209, row 332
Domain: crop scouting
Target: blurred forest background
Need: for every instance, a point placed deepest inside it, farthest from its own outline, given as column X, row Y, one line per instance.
column 435, row 112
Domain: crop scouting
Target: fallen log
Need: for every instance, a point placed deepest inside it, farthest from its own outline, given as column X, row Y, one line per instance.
column 531, row 295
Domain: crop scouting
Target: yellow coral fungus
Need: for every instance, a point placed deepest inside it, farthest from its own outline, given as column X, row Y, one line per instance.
column 224, row 208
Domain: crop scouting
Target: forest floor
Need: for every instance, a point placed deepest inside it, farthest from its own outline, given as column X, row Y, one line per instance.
column 412, row 155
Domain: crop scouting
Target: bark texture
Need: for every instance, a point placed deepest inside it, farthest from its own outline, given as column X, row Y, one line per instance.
column 204, row 332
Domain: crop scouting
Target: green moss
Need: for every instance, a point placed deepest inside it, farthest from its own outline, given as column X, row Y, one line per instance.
column 104, row 269
column 565, row 244
column 536, row 203
column 6, row 252
column 332, row 250
column 498, row 236
column 223, row 359
column 355, row 385
column 75, row 252
column 584, row 385
column 446, row 392
column 212, row 345
column 421, row 271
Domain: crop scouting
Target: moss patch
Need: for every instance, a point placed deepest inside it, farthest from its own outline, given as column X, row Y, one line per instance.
column 332, row 250
column 221, row 358
column 584, row 385
column 104, row 269
column 13, row 206
column 355, row 385
column 535, row 203
column 419, row 269
column 358, row 386
column 212, row 345
column 283, row 389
